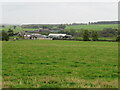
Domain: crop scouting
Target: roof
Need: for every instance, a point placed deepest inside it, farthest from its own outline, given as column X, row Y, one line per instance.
column 35, row 34
column 57, row 35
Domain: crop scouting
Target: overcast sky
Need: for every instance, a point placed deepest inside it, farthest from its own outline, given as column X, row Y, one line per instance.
column 58, row 12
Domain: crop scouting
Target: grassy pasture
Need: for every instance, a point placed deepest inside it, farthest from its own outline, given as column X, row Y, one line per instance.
column 59, row 64
column 93, row 27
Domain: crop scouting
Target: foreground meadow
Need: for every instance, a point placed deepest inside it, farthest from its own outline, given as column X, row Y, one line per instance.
column 59, row 64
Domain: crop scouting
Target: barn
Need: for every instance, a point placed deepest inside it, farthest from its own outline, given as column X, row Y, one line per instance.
column 34, row 36
column 59, row 36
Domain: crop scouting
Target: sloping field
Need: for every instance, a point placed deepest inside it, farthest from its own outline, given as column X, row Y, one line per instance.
column 76, row 27
column 59, row 64
column 93, row 27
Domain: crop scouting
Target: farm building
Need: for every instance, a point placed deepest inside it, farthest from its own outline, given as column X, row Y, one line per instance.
column 34, row 36
column 59, row 36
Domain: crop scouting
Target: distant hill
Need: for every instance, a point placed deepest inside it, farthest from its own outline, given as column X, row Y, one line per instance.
column 105, row 22
column 100, row 25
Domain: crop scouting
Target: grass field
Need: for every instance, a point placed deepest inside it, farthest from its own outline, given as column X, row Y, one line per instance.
column 93, row 27
column 59, row 64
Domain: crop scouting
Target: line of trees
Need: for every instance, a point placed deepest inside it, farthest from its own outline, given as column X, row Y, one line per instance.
column 45, row 26
column 94, row 35
column 86, row 36
column 108, row 32
column 89, row 35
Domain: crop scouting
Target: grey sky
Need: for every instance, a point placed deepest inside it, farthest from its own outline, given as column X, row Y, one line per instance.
column 58, row 12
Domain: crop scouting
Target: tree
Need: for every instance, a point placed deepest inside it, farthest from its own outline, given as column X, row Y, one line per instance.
column 118, row 35
column 86, row 35
column 118, row 38
column 5, row 36
column 3, row 26
column 14, row 27
column 94, row 36
column 10, row 32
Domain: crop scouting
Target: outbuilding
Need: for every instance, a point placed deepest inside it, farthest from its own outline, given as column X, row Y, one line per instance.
column 59, row 36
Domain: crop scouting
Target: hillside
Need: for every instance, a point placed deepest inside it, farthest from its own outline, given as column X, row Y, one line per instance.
column 93, row 26
column 76, row 27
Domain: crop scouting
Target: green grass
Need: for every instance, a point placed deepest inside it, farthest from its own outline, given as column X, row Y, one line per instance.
column 93, row 27
column 59, row 64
